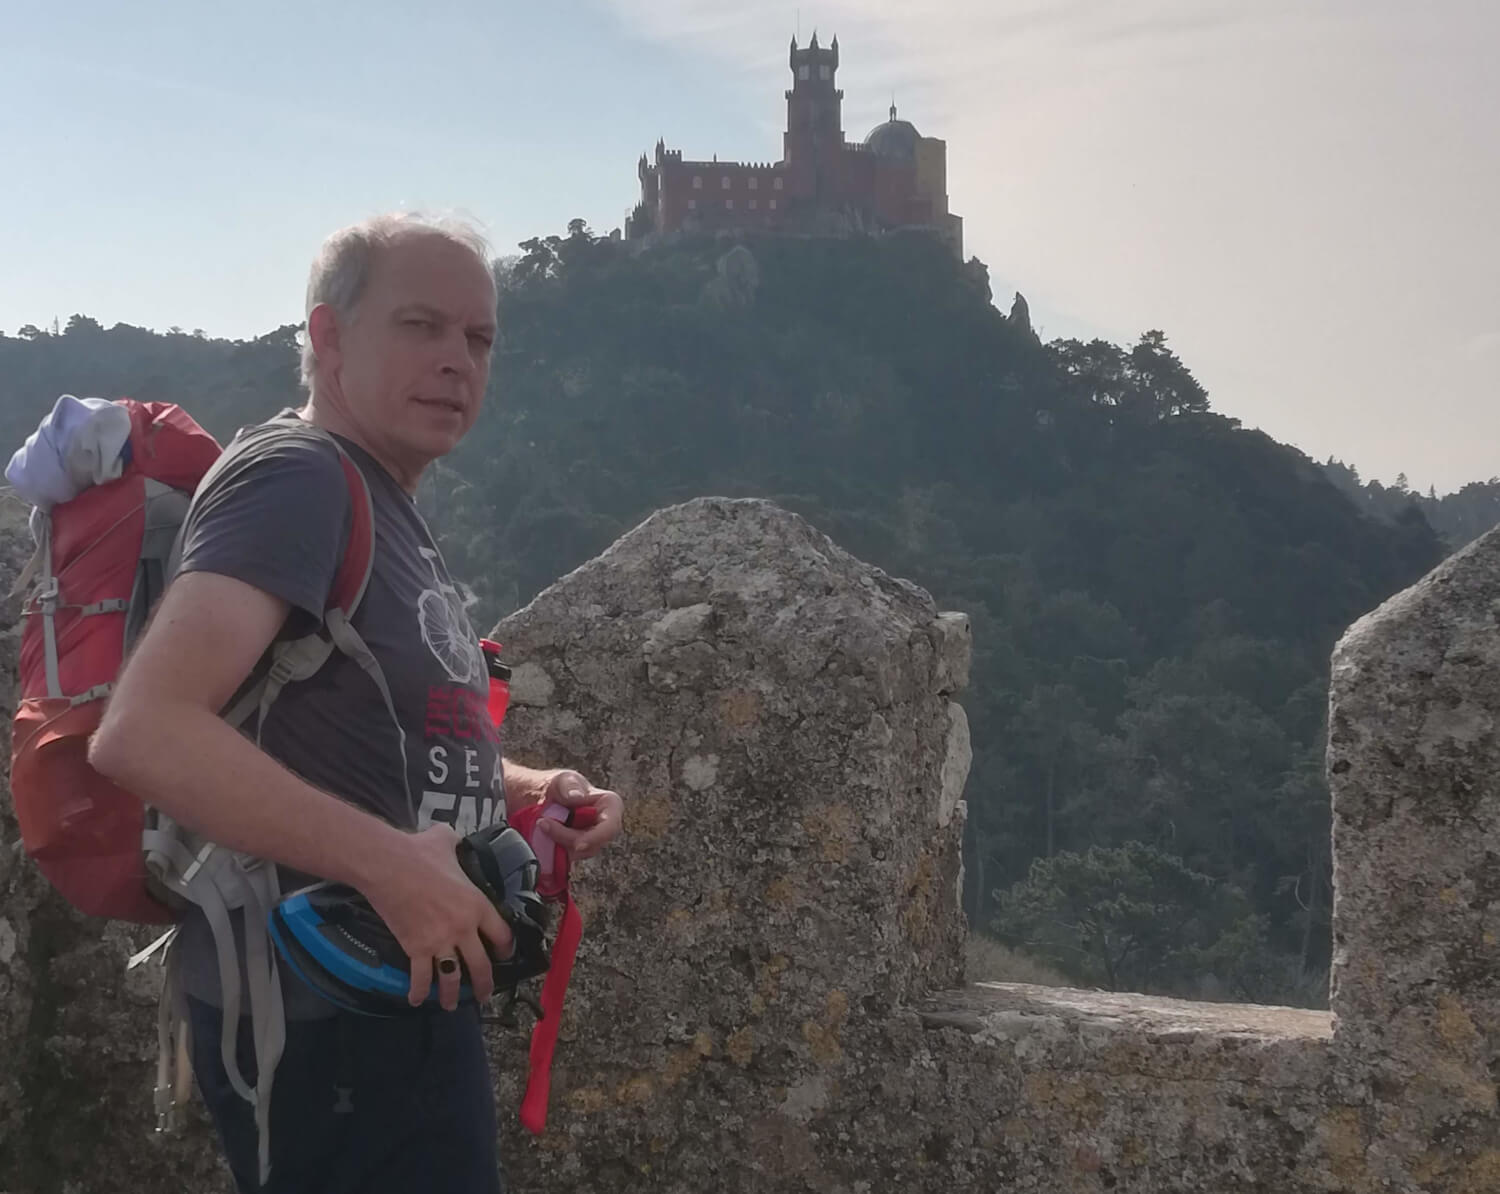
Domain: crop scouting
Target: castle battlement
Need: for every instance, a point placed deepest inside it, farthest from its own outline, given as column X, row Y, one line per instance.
column 768, row 995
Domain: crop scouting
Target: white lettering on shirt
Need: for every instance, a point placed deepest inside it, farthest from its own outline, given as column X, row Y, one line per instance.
column 433, row 802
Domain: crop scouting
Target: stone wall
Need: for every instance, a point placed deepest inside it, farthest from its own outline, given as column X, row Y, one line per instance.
column 768, row 996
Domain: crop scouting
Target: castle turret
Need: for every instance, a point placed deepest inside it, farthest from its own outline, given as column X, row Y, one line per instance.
column 814, row 120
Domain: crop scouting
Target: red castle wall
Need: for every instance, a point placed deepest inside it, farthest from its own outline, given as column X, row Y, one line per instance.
column 728, row 194
column 746, row 195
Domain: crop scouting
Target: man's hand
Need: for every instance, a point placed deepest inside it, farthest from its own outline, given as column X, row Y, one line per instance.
column 571, row 790
column 435, row 912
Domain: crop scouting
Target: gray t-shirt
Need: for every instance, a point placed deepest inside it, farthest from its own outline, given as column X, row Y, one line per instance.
column 278, row 517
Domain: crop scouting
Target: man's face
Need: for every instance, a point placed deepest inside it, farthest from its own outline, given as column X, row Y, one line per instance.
column 415, row 360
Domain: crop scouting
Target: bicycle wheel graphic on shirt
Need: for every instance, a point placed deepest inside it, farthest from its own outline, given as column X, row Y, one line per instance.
column 446, row 631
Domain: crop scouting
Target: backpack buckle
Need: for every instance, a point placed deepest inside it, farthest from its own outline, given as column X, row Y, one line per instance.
column 251, row 864
column 47, row 595
column 282, row 670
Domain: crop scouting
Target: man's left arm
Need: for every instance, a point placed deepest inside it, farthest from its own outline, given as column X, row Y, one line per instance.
column 526, row 786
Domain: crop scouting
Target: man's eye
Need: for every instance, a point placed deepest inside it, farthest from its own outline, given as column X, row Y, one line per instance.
column 481, row 339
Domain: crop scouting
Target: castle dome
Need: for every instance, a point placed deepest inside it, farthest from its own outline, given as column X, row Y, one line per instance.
column 894, row 139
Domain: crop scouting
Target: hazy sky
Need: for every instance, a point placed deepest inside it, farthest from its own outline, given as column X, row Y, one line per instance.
column 1303, row 194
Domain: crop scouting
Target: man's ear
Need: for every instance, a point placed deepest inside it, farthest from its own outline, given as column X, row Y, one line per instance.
column 323, row 334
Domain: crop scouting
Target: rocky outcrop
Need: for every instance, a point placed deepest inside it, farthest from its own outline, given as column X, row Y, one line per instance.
column 736, row 279
column 1020, row 314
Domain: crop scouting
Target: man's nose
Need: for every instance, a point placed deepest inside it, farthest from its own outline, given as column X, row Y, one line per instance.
column 455, row 357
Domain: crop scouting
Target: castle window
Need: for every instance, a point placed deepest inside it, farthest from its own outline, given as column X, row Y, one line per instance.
column 692, row 205
column 752, row 205
column 725, row 182
column 777, row 184
column 754, row 183
column 729, row 205
column 824, row 73
column 802, row 72
column 771, row 203
column 697, row 182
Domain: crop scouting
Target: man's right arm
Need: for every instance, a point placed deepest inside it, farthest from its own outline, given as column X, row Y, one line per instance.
column 162, row 738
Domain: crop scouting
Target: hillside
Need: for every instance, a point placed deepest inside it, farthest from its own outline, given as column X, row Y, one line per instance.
column 1154, row 590
column 1459, row 517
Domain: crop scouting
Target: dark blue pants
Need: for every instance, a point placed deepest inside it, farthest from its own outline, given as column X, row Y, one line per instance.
column 361, row 1105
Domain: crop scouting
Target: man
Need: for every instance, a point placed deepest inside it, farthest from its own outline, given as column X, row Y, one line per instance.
column 400, row 323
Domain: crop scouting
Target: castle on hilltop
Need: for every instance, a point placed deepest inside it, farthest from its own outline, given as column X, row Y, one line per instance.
column 895, row 178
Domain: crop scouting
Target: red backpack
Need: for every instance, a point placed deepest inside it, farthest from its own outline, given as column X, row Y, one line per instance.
column 102, row 561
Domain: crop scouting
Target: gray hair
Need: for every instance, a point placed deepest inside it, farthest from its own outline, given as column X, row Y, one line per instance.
column 341, row 270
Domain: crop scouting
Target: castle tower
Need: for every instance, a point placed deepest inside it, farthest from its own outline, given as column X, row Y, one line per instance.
column 814, row 118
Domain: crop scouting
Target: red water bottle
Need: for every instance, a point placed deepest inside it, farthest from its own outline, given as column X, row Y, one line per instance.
column 499, row 680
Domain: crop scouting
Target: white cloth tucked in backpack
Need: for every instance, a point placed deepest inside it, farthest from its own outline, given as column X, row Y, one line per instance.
column 77, row 445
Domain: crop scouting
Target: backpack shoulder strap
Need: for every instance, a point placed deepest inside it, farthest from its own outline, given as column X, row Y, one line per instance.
column 353, row 576
column 301, row 658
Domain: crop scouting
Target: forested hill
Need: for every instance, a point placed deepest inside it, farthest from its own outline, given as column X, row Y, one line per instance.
column 1154, row 590
column 1459, row 517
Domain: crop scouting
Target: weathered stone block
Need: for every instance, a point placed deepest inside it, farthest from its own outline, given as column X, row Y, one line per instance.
column 778, row 714
column 1414, row 767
